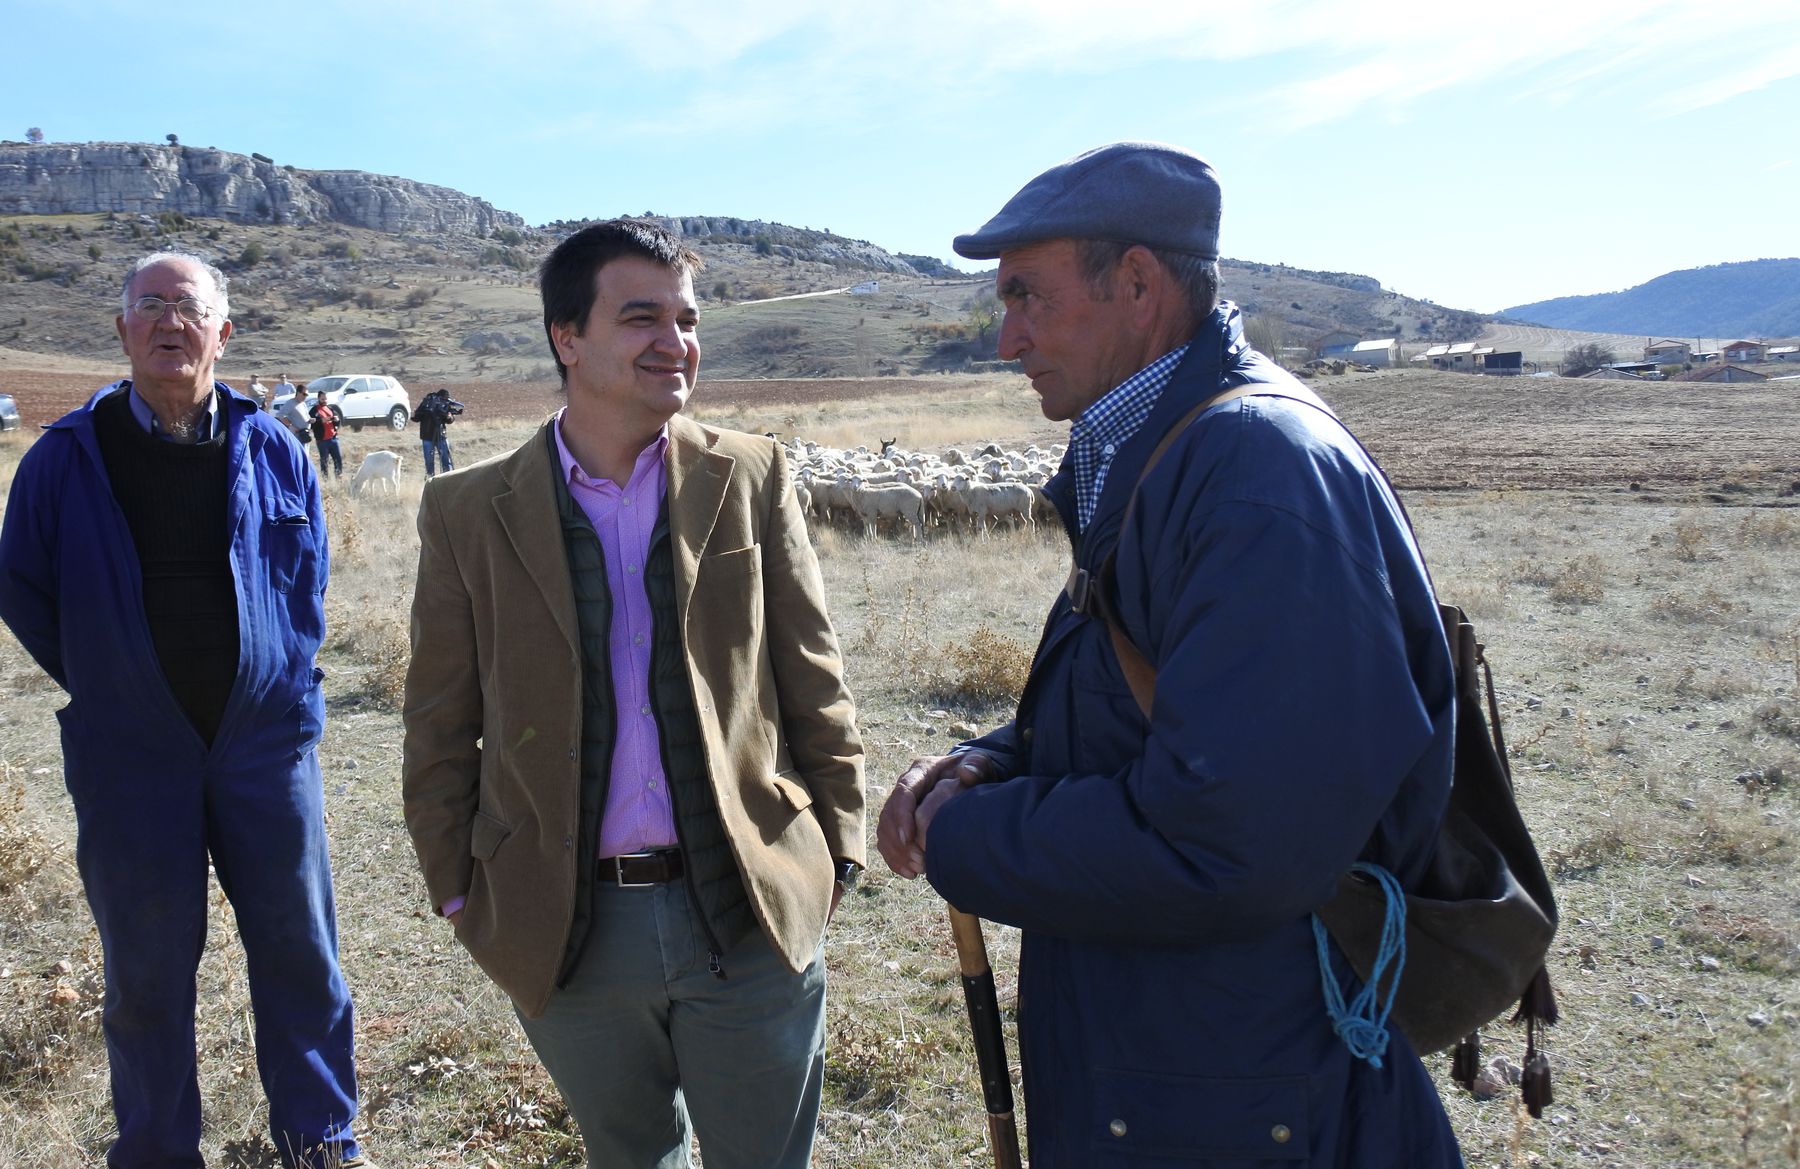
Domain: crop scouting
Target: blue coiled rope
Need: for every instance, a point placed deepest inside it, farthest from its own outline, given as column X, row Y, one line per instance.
column 1362, row 1025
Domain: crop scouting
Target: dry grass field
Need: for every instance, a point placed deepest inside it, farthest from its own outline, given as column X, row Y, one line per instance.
column 1630, row 555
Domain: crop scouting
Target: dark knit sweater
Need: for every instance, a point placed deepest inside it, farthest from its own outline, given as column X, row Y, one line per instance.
column 174, row 500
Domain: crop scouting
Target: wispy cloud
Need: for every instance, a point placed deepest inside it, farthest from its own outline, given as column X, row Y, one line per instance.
column 802, row 60
column 1685, row 53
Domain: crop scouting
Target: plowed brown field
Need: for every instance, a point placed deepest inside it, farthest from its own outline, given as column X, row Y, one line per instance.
column 1431, row 431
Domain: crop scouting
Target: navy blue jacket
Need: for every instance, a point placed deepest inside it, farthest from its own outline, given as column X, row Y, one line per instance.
column 1163, row 872
column 71, row 590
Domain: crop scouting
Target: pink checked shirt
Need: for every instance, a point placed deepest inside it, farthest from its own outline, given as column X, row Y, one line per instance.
column 638, row 812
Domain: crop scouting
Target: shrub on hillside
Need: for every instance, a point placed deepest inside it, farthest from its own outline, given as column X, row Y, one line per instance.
column 1586, row 359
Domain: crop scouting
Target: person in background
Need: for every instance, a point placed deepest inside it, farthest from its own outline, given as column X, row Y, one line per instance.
column 434, row 415
column 258, row 391
column 163, row 559
column 325, row 421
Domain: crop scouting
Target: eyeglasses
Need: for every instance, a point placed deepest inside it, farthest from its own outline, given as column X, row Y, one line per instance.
column 188, row 308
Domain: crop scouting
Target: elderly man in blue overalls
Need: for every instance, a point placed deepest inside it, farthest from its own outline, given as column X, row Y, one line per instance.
column 163, row 559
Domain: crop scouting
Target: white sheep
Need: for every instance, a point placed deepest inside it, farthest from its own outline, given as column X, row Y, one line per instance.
column 873, row 504
column 989, row 502
column 377, row 467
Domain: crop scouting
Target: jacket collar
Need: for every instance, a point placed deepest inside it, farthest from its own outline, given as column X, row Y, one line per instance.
column 527, row 510
column 1218, row 358
column 697, row 478
column 698, row 475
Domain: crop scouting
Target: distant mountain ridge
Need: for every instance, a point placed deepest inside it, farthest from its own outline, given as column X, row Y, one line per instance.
column 1751, row 299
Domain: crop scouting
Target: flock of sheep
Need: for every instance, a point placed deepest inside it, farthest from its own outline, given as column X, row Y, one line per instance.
column 916, row 492
column 905, row 492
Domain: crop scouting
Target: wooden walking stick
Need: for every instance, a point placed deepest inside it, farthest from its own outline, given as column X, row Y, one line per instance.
column 990, row 1044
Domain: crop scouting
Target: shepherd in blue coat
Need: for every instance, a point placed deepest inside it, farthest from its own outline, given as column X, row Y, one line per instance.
column 163, row 559
column 1164, row 869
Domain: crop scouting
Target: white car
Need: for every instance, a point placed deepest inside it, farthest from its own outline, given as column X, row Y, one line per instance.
column 363, row 398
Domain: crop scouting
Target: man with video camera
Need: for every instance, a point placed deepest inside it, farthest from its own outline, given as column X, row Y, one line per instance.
column 434, row 416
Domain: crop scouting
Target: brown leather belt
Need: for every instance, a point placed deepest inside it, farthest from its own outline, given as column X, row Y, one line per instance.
column 637, row 869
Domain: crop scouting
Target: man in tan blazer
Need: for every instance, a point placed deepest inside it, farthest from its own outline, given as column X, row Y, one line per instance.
column 633, row 776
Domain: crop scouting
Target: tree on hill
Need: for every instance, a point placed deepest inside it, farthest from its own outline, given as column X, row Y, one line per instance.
column 34, row 135
column 1267, row 335
column 1585, row 359
column 985, row 312
column 174, row 139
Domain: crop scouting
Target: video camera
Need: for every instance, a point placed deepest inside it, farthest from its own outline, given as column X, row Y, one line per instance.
column 440, row 402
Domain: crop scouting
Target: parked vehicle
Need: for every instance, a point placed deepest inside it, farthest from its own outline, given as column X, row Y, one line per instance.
column 363, row 399
column 9, row 413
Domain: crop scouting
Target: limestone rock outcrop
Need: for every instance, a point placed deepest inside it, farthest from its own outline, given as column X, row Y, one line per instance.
column 140, row 178
column 782, row 240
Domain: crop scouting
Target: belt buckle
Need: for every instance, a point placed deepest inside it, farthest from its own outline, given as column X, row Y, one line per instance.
column 619, row 870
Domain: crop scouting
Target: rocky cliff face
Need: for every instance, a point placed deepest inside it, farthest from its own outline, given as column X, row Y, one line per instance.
column 57, row 179
column 779, row 239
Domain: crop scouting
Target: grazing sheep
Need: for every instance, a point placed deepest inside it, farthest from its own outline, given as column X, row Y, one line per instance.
column 989, row 502
column 377, row 467
column 887, row 501
column 947, row 502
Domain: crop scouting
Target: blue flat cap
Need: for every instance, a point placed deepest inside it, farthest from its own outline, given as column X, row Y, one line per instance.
column 1130, row 192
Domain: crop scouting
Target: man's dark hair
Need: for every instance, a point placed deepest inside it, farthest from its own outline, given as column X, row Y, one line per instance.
column 1196, row 276
column 567, row 279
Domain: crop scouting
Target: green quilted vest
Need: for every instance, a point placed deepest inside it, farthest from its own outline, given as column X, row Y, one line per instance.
column 712, row 875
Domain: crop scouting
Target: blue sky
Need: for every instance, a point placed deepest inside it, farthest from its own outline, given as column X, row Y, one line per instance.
column 1475, row 156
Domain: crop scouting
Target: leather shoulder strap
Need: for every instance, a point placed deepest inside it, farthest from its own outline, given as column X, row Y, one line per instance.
column 1088, row 593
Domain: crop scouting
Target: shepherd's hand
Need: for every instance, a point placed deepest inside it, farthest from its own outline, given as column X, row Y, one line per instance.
column 900, row 832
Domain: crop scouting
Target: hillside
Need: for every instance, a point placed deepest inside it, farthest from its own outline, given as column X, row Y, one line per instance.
column 336, row 271
column 1753, row 299
column 328, row 297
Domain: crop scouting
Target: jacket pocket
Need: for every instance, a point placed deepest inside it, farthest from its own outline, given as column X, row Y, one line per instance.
column 734, row 563
column 1201, row 1120
column 288, row 548
column 486, row 835
column 793, row 793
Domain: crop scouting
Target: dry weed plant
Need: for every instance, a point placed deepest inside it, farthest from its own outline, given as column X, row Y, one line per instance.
column 1581, row 581
column 1688, row 540
column 988, row 667
column 872, row 1066
column 24, row 845
column 1681, row 608
column 1767, row 528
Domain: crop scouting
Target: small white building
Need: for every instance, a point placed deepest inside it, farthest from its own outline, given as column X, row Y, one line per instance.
column 1462, row 357
column 1381, row 354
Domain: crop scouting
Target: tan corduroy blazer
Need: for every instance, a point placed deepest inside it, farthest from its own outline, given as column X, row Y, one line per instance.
column 493, row 698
